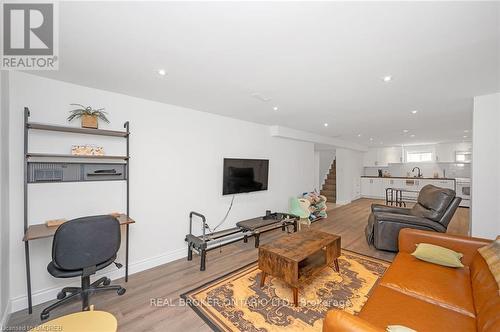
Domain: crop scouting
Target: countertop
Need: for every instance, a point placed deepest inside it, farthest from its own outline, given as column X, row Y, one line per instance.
column 404, row 177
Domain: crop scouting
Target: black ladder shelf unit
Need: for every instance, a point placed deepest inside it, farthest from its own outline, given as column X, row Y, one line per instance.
column 30, row 229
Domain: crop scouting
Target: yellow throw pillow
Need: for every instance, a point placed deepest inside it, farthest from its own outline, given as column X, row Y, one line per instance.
column 438, row 255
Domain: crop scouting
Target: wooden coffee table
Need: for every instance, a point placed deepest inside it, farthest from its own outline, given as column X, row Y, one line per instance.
column 296, row 257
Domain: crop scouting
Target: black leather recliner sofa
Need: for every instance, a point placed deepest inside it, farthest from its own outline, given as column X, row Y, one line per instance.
column 433, row 212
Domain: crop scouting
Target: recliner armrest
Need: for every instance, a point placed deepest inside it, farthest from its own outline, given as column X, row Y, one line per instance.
column 409, row 220
column 390, row 209
column 341, row 321
column 409, row 238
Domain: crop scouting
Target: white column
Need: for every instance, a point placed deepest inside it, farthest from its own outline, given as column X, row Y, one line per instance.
column 485, row 198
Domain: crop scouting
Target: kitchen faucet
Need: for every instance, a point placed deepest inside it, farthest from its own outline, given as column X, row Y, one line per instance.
column 419, row 175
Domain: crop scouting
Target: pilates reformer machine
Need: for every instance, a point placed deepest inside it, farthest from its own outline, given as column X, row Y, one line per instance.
column 243, row 230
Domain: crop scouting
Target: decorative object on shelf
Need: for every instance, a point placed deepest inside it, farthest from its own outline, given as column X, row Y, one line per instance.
column 55, row 222
column 88, row 115
column 87, row 150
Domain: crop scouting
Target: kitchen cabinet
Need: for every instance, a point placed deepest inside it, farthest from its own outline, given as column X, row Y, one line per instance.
column 374, row 187
column 381, row 157
column 443, row 183
column 365, row 187
column 370, row 158
column 392, row 183
column 445, row 153
column 391, row 155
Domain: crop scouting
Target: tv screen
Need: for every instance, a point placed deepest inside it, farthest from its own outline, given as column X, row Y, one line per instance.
column 244, row 175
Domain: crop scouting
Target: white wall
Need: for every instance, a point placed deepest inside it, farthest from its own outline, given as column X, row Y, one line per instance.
column 317, row 186
column 349, row 171
column 326, row 158
column 4, row 199
column 486, row 167
column 176, row 167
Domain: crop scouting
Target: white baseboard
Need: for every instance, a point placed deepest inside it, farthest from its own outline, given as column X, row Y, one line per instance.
column 47, row 294
column 5, row 316
column 342, row 202
column 371, row 197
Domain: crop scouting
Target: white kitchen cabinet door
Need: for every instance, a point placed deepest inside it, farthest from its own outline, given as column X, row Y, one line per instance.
column 448, row 184
column 388, row 183
column 445, row 153
column 365, row 187
column 391, row 155
column 372, row 187
column 377, row 188
column 370, row 158
column 425, row 182
column 412, row 187
column 398, row 183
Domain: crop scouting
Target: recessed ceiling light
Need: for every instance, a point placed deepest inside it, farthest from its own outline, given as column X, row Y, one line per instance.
column 359, row 135
column 371, row 138
column 325, row 124
column 414, row 112
column 466, row 131
column 465, row 136
column 275, row 108
column 405, row 130
column 387, row 78
column 412, row 135
column 162, row 72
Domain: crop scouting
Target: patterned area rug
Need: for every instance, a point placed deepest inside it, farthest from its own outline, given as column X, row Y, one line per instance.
column 236, row 302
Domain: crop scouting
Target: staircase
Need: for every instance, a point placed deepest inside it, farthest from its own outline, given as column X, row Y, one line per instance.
column 329, row 189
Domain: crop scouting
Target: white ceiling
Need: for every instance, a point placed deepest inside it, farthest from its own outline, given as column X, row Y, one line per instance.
column 318, row 62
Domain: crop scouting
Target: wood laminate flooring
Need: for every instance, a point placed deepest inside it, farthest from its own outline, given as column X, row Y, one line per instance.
column 135, row 311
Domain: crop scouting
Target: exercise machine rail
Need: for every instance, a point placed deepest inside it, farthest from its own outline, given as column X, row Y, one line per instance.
column 243, row 230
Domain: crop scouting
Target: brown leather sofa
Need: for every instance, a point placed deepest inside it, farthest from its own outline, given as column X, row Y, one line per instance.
column 433, row 212
column 428, row 297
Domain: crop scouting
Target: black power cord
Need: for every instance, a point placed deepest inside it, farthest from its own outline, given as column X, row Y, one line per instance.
column 223, row 219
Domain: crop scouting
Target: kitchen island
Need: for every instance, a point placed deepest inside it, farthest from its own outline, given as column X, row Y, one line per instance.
column 375, row 187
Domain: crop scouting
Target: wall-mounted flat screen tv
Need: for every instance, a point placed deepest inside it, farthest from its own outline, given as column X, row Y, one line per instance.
column 244, row 175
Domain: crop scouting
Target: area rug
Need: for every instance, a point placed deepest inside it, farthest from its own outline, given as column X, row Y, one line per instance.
column 236, row 302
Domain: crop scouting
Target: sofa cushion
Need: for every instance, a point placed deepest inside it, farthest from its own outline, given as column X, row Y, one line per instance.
column 432, row 202
column 491, row 254
column 489, row 318
column 485, row 294
column 390, row 307
column 444, row 286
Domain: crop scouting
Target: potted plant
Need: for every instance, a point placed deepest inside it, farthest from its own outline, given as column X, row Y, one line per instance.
column 88, row 115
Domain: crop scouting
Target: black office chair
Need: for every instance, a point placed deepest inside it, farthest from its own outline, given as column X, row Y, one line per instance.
column 80, row 248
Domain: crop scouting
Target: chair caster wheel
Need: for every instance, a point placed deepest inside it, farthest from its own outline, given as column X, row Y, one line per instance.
column 44, row 316
column 121, row 291
column 107, row 282
column 61, row 295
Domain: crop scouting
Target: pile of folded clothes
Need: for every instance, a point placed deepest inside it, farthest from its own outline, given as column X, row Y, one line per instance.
column 317, row 206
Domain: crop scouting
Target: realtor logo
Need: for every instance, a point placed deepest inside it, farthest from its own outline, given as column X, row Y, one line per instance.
column 29, row 36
